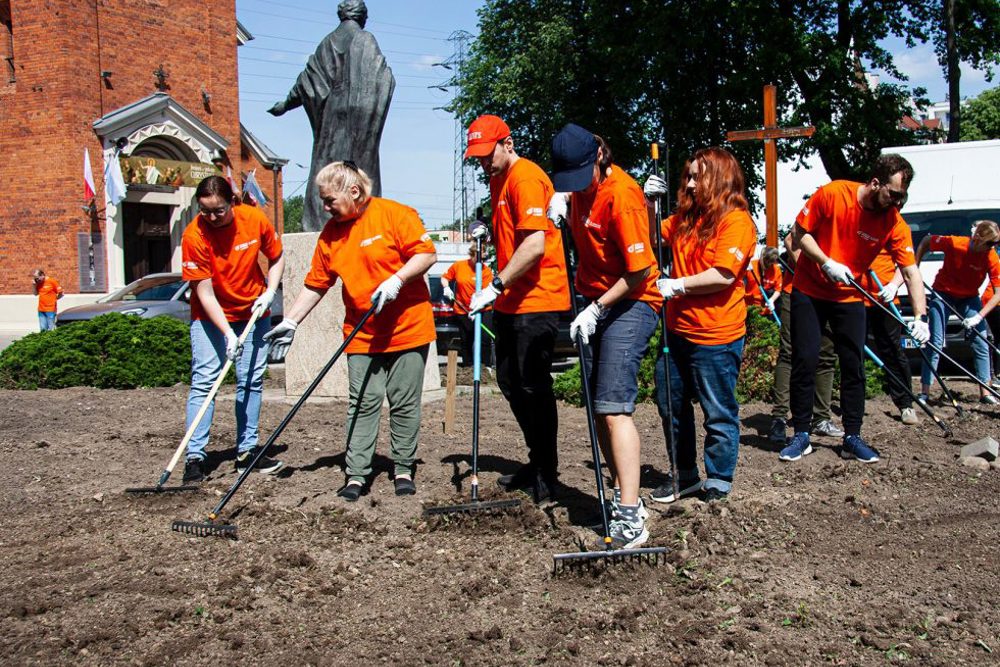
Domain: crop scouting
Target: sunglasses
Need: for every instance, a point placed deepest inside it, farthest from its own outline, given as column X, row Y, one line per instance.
column 216, row 212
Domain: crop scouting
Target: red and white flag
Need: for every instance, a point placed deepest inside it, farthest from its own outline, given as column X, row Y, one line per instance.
column 89, row 191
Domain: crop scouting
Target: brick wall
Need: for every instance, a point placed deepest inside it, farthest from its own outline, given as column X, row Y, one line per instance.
column 265, row 179
column 60, row 49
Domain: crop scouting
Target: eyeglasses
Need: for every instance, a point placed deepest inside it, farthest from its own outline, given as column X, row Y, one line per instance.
column 897, row 196
column 216, row 212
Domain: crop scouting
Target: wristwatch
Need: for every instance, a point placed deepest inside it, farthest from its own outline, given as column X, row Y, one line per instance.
column 497, row 284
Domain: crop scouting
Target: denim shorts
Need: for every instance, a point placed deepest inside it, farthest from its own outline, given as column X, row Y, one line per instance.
column 614, row 354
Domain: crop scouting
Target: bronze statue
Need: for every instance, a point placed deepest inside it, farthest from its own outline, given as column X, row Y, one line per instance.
column 345, row 89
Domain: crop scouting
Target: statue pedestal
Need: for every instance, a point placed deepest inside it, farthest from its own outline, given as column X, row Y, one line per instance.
column 319, row 336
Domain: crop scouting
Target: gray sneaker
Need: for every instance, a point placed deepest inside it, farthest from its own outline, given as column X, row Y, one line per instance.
column 612, row 507
column 628, row 534
column 827, row 428
column 909, row 416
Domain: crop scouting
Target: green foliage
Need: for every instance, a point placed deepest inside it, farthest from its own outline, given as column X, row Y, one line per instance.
column 760, row 356
column 876, row 381
column 566, row 386
column 111, row 351
column 981, row 117
column 293, row 208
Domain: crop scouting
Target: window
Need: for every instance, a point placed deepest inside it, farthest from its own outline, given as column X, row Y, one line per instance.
column 6, row 44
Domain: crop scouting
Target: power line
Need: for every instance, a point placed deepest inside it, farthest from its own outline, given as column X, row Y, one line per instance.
column 299, row 66
column 313, row 22
column 332, row 15
column 309, row 53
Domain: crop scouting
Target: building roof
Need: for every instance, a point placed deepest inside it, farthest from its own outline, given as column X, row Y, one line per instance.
column 264, row 155
column 242, row 34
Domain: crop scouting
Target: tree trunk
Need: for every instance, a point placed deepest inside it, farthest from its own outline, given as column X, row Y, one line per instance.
column 954, row 72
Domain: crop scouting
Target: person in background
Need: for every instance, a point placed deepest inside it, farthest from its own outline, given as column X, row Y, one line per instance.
column 380, row 251
column 463, row 274
column 993, row 321
column 767, row 270
column 48, row 291
column 219, row 257
column 712, row 237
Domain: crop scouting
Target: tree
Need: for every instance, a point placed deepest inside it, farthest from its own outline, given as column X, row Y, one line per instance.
column 981, row 117
column 635, row 71
column 293, row 207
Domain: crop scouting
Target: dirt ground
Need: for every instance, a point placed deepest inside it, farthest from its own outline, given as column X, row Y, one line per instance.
column 820, row 562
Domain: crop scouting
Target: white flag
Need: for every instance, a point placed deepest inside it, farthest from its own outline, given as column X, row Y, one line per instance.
column 114, row 182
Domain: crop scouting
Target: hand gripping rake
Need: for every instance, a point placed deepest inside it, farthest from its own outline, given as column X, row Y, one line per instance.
column 763, row 294
column 476, row 505
column 609, row 554
column 159, row 488
column 923, row 354
column 211, row 527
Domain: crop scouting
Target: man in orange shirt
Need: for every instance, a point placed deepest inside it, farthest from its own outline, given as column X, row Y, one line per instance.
column 765, row 269
column 463, row 274
column 219, row 258
column 529, row 291
column 48, row 291
column 841, row 230
column 380, row 251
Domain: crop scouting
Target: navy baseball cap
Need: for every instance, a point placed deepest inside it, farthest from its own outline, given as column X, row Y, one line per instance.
column 574, row 152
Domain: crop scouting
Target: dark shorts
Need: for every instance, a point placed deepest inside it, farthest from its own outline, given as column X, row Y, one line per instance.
column 614, row 354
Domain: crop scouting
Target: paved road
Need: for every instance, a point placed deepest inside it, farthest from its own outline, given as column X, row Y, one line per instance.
column 6, row 338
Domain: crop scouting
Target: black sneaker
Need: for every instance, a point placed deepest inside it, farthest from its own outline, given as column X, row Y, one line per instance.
column 265, row 466
column 713, row 494
column 523, row 479
column 778, row 432
column 544, row 489
column 193, row 471
column 404, row 486
column 351, row 491
column 664, row 493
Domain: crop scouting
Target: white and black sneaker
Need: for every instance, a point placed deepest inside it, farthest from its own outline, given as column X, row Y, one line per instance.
column 265, row 466
column 627, row 534
column 664, row 493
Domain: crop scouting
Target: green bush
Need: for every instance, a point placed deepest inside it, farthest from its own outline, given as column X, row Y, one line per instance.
column 111, row 351
column 566, row 386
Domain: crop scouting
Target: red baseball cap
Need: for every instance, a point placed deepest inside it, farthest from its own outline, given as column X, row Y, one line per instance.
column 484, row 133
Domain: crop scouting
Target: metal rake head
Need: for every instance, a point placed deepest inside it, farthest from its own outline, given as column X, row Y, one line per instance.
column 588, row 560
column 477, row 507
column 203, row 529
column 162, row 489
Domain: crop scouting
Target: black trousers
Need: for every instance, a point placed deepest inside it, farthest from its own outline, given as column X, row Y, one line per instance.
column 993, row 320
column 467, row 331
column 886, row 333
column 847, row 328
column 524, row 347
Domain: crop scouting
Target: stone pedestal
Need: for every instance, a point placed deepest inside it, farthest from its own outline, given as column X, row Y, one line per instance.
column 319, row 336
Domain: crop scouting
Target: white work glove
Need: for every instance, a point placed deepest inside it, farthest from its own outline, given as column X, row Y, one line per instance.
column 386, row 292
column 972, row 322
column 670, row 287
column 280, row 337
column 233, row 346
column 482, row 298
column 263, row 302
column 585, row 323
column 480, row 230
column 558, row 210
column 773, row 299
column 920, row 332
column 837, row 272
column 654, row 187
column 888, row 292
column 448, row 293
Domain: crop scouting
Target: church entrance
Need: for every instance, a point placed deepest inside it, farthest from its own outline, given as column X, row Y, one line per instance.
column 147, row 239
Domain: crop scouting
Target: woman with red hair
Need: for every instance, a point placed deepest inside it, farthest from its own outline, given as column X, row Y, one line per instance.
column 712, row 239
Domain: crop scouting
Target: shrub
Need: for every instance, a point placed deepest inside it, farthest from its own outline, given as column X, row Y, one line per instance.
column 760, row 356
column 111, row 351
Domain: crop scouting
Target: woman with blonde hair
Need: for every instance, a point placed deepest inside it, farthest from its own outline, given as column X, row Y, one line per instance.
column 380, row 251
column 967, row 262
column 712, row 239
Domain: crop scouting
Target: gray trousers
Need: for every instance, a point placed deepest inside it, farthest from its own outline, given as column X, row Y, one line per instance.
column 783, row 371
column 398, row 376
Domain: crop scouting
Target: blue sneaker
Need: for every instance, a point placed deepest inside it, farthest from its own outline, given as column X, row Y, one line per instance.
column 856, row 447
column 797, row 447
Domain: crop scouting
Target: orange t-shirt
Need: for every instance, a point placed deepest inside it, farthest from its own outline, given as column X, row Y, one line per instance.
column 788, row 277
column 772, row 280
column 520, row 197
column 48, row 293
column 228, row 256
column 610, row 231
column 718, row 318
column 365, row 252
column 463, row 272
column 963, row 271
column 848, row 234
column 987, row 293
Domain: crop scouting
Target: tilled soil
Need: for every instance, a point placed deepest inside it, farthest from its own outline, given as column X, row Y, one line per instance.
column 820, row 562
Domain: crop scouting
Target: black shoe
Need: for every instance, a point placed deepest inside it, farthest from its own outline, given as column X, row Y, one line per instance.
column 523, row 479
column 351, row 491
column 193, row 472
column 404, row 486
column 544, row 489
column 778, row 432
column 712, row 495
column 265, row 466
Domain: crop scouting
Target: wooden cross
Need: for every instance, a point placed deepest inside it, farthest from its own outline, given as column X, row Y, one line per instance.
column 769, row 134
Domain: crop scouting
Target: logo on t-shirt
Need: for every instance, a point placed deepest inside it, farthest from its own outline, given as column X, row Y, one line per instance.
column 590, row 223
column 425, row 237
column 636, row 247
column 190, row 265
column 368, row 242
column 805, row 211
column 244, row 246
column 535, row 211
column 736, row 251
column 867, row 237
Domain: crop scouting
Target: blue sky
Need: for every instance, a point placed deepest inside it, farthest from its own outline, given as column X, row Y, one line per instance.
column 418, row 141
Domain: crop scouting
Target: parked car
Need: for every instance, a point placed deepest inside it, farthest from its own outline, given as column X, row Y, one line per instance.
column 151, row 296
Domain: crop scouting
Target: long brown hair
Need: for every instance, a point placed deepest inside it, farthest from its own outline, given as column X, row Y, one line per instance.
column 721, row 189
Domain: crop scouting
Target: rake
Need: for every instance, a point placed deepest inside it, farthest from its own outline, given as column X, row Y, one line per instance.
column 212, row 527
column 609, row 555
column 159, row 488
column 476, row 505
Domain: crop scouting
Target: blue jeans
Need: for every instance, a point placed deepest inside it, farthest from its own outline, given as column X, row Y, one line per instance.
column 706, row 373
column 937, row 318
column 208, row 354
column 46, row 321
column 613, row 356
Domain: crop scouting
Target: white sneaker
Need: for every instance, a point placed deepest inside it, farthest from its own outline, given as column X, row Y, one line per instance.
column 909, row 416
column 612, row 506
column 627, row 534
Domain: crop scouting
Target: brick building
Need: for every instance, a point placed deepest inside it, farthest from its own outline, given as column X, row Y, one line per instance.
column 150, row 83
